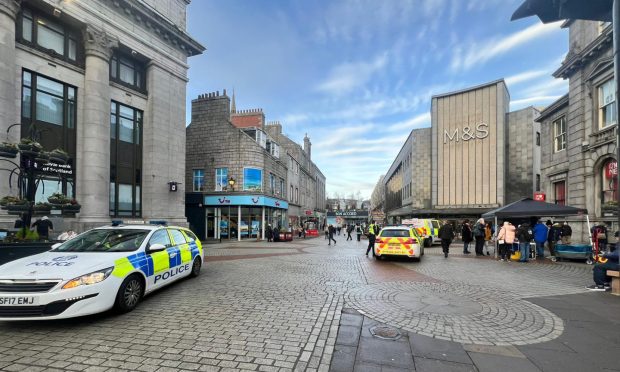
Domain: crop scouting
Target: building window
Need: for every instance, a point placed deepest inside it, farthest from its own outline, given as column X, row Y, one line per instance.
column 252, row 179
column 125, row 161
column 199, row 180
column 221, row 179
column 290, row 197
column 281, row 188
column 42, row 32
column 559, row 134
column 48, row 112
column 296, row 195
column 538, row 182
column 610, row 184
column 606, row 106
column 560, row 192
column 537, row 138
column 128, row 71
column 272, row 183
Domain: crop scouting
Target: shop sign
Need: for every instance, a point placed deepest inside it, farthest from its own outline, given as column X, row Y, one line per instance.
column 245, row 200
column 611, row 169
column 540, row 196
column 480, row 131
column 308, row 212
column 348, row 214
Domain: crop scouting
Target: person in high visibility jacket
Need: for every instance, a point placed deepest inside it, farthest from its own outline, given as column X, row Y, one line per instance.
column 372, row 234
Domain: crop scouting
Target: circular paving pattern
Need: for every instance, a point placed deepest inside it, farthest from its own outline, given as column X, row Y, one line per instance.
column 460, row 313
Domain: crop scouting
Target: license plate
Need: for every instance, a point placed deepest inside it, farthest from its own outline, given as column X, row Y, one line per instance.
column 394, row 245
column 19, row 301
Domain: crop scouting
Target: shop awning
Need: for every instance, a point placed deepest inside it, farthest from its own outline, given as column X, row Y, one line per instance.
column 528, row 207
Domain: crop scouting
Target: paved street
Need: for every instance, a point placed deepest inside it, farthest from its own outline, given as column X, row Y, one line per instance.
column 306, row 306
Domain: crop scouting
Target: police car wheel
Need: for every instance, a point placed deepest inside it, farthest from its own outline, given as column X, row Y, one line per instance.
column 129, row 294
column 196, row 267
column 428, row 242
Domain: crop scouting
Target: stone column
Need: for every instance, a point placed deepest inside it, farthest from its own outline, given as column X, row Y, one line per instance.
column 93, row 162
column 9, row 91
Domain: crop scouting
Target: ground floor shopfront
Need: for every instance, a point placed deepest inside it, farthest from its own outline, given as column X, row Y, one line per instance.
column 234, row 217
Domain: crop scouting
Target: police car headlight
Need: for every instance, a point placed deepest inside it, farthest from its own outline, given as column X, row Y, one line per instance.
column 88, row 279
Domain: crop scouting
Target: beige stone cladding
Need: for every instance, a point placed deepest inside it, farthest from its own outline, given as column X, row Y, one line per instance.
column 468, row 139
column 407, row 183
column 590, row 141
column 214, row 142
column 153, row 30
column 523, row 155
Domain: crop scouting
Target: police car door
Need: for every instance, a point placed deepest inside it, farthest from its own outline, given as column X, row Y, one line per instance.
column 180, row 254
column 161, row 260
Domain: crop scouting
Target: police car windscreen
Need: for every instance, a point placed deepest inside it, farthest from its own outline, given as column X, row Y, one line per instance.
column 395, row 234
column 105, row 240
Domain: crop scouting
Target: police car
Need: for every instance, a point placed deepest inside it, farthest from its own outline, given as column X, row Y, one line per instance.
column 399, row 241
column 100, row 269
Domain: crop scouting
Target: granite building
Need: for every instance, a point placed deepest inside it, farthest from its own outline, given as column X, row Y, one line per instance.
column 244, row 174
column 105, row 81
column 579, row 165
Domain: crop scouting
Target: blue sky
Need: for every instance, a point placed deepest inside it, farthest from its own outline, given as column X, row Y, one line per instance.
column 358, row 75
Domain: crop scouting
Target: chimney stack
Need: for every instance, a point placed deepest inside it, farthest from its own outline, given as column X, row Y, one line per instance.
column 308, row 146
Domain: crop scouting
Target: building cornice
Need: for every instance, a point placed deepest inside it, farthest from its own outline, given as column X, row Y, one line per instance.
column 162, row 27
column 552, row 108
column 574, row 60
column 10, row 7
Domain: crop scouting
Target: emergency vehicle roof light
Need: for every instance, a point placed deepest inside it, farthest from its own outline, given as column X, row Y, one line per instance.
column 159, row 222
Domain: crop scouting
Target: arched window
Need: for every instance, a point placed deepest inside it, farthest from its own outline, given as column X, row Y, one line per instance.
column 609, row 177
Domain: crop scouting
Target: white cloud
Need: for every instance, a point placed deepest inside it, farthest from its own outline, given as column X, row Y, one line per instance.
column 418, row 121
column 347, row 76
column 540, row 100
column 525, row 76
column 474, row 54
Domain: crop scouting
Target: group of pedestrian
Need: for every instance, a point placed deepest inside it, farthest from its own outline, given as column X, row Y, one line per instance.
column 524, row 234
column 482, row 233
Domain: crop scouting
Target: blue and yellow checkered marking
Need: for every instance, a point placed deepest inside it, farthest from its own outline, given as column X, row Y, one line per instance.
column 152, row 264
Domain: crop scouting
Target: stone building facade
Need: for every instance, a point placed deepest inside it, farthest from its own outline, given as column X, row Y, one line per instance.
column 476, row 156
column 245, row 175
column 407, row 184
column 524, row 154
column 101, row 80
column 578, row 131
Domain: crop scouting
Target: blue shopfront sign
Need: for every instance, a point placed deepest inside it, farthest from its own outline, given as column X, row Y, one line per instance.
column 245, row 200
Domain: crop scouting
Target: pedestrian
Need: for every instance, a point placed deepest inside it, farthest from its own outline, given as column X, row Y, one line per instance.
column 331, row 230
column 349, row 231
column 599, row 235
column 599, row 271
column 339, row 228
column 327, row 231
column 372, row 234
column 466, row 236
column 505, row 239
column 565, row 233
column 488, row 235
column 269, row 233
column 524, row 234
column 358, row 231
column 541, row 234
column 43, row 226
column 551, row 238
column 303, row 232
column 479, row 236
column 446, row 234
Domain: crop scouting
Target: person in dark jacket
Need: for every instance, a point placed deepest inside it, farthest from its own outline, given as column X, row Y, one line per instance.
column 599, row 235
column 331, row 231
column 551, row 238
column 269, row 233
column 541, row 233
column 565, row 233
column 467, row 236
column 479, row 236
column 446, row 234
column 349, row 231
column 599, row 271
column 524, row 234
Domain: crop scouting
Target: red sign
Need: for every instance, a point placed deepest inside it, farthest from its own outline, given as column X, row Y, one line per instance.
column 611, row 169
column 540, row 196
column 308, row 212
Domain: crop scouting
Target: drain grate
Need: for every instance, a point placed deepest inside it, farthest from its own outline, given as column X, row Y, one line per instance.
column 385, row 332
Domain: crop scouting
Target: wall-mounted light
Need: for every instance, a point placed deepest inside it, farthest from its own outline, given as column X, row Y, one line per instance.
column 231, row 182
column 57, row 12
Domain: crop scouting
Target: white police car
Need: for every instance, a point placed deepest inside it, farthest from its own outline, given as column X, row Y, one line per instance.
column 103, row 268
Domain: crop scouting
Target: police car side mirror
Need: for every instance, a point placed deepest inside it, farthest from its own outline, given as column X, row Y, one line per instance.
column 155, row 248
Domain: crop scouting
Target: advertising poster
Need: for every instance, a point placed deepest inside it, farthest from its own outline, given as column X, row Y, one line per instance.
column 331, row 221
column 244, row 229
column 252, row 179
column 224, row 228
column 255, row 228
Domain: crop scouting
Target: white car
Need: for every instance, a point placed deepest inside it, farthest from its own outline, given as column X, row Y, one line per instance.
column 103, row 268
column 399, row 241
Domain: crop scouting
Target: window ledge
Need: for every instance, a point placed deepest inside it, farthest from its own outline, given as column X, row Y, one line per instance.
column 128, row 90
column 49, row 58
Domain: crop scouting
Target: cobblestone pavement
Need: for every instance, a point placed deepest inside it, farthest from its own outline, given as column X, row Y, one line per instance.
column 272, row 307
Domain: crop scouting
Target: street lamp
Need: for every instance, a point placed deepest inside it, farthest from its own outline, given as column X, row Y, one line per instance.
column 231, row 182
column 593, row 10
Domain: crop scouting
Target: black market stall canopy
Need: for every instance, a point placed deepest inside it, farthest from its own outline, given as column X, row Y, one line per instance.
column 528, row 207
